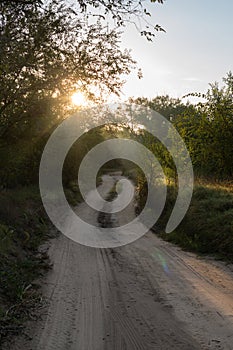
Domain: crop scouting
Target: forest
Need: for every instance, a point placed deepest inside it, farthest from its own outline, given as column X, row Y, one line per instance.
column 48, row 51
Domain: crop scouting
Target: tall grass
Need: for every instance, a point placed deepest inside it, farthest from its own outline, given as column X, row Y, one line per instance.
column 207, row 227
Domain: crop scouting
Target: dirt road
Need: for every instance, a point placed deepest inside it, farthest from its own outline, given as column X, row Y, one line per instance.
column 146, row 295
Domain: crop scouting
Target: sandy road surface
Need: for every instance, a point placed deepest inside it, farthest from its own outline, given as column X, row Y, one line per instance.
column 146, row 295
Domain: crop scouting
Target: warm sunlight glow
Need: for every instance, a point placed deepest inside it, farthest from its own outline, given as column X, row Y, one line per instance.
column 78, row 99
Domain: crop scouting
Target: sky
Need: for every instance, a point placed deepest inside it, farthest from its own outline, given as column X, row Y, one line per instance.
column 197, row 48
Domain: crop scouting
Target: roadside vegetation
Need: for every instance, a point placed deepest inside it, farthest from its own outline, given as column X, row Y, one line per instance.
column 207, row 129
column 207, row 228
column 23, row 228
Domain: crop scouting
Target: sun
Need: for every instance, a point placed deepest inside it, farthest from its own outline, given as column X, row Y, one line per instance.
column 79, row 99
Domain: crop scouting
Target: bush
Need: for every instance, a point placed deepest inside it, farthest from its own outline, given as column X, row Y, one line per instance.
column 208, row 225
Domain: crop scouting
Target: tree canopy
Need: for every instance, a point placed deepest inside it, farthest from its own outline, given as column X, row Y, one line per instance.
column 207, row 129
column 45, row 54
column 50, row 48
column 121, row 11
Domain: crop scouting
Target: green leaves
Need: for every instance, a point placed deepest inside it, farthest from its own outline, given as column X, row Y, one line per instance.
column 45, row 55
column 207, row 128
column 209, row 131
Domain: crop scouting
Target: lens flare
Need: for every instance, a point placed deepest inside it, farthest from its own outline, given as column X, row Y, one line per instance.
column 162, row 260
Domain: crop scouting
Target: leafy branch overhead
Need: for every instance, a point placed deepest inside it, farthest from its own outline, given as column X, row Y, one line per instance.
column 50, row 48
column 121, row 12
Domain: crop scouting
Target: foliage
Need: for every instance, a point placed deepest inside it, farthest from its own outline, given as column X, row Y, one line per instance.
column 169, row 107
column 48, row 50
column 23, row 227
column 208, row 131
column 122, row 12
column 46, row 53
column 207, row 227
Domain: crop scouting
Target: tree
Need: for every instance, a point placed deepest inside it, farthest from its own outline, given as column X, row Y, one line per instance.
column 49, row 49
column 208, row 130
column 45, row 54
column 167, row 106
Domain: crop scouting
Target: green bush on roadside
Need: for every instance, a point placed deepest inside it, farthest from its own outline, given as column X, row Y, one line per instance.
column 207, row 227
